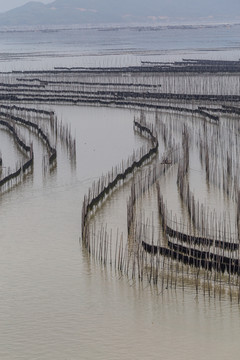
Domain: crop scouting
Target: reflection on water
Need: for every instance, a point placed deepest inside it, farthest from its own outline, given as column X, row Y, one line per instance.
column 55, row 301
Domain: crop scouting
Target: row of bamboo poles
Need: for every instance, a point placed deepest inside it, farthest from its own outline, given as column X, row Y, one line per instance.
column 143, row 84
column 44, row 125
column 203, row 247
column 13, row 175
column 205, row 252
column 117, row 175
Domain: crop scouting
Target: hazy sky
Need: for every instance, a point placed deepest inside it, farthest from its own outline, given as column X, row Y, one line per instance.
column 6, row 5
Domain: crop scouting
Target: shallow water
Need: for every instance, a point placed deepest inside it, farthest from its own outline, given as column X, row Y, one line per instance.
column 56, row 302
column 23, row 50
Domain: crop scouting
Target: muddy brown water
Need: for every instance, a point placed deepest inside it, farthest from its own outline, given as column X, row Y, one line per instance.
column 56, row 302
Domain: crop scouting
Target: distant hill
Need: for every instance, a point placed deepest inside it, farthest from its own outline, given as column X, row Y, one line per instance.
column 61, row 12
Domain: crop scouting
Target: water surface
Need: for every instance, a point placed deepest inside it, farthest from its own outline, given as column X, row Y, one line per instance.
column 55, row 302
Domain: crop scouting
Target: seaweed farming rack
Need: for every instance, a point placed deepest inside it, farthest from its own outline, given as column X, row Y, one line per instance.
column 196, row 123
